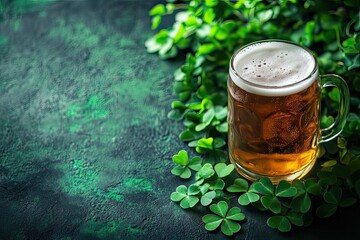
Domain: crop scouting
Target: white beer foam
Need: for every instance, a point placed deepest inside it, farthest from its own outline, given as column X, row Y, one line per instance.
column 273, row 68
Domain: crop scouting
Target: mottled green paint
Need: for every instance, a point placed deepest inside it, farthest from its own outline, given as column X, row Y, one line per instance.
column 139, row 184
column 84, row 117
column 114, row 193
column 43, row 14
column 80, row 178
column 111, row 229
column 3, row 40
column 76, row 34
column 84, row 114
column 108, row 55
column 100, row 230
column 16, row 25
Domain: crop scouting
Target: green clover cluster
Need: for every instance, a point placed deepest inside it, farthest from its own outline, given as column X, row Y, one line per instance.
column 208, row 185
column 224, row 217
column 292, row 202
column 209, row 32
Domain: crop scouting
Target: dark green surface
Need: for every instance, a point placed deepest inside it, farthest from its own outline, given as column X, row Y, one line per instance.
column 86, row 148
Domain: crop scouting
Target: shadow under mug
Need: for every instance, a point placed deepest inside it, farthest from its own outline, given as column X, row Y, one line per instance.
column 274, row 129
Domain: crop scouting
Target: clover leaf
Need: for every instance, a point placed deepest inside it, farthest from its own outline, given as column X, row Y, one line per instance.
column 301, row 203
column 183, row 170
column 272, row 203
column 326, row 210
column 296, row 218
column 206, row 120
column 284, row 189
column 279, row 222
column 332, row 200
column 223, row 170
column 185, row 196
column 312, row 187
column 263, row 186
column 181, row 158
column 207, row 198
column 240, row 185
column 247, row 198
column 206, row 171
column 205, row 144
column 224, row 218
column 223, row 127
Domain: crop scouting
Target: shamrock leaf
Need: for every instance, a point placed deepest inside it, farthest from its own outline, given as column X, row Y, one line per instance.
column 284, row 189
column 240, row 185
column 203, row 188
column 299, row 185
column 296, row 218
column 327, row 178
column 185, row 196
column 205, row 172
column 195, row 163
column 301, row 203
column 219, row 142
column 181, row 158
column 347, row 201
column 279, row 222
column 223, row 170
column 183, row 170
column 333, row 196
column 247, row 198
column 204, row 144
column 326, row 210
column 272, row 203
column 312, row 186
column 207, row 117
column 217, row 184
column 220, row 112
column 207, row 198
column 223, row 127
column 333, row 199
column 263, row 186
column 220, row 208
column 224, row 218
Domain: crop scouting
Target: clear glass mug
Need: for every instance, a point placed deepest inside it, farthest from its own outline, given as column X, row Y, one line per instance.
column 274, row 90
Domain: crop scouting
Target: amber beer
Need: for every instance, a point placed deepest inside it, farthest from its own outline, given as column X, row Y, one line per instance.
column 274, row 100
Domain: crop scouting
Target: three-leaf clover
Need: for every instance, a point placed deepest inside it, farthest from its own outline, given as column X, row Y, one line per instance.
column 333, row 198
column 302, row 201
column 183, row 170
column 224, row 218
column 186, row 196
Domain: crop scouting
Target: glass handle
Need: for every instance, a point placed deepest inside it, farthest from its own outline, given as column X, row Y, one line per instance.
column 332, row 80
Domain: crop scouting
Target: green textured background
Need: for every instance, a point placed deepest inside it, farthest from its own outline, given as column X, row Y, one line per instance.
column 85, row 145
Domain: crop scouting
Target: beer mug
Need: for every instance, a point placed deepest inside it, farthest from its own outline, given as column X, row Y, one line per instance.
column 274, row 90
